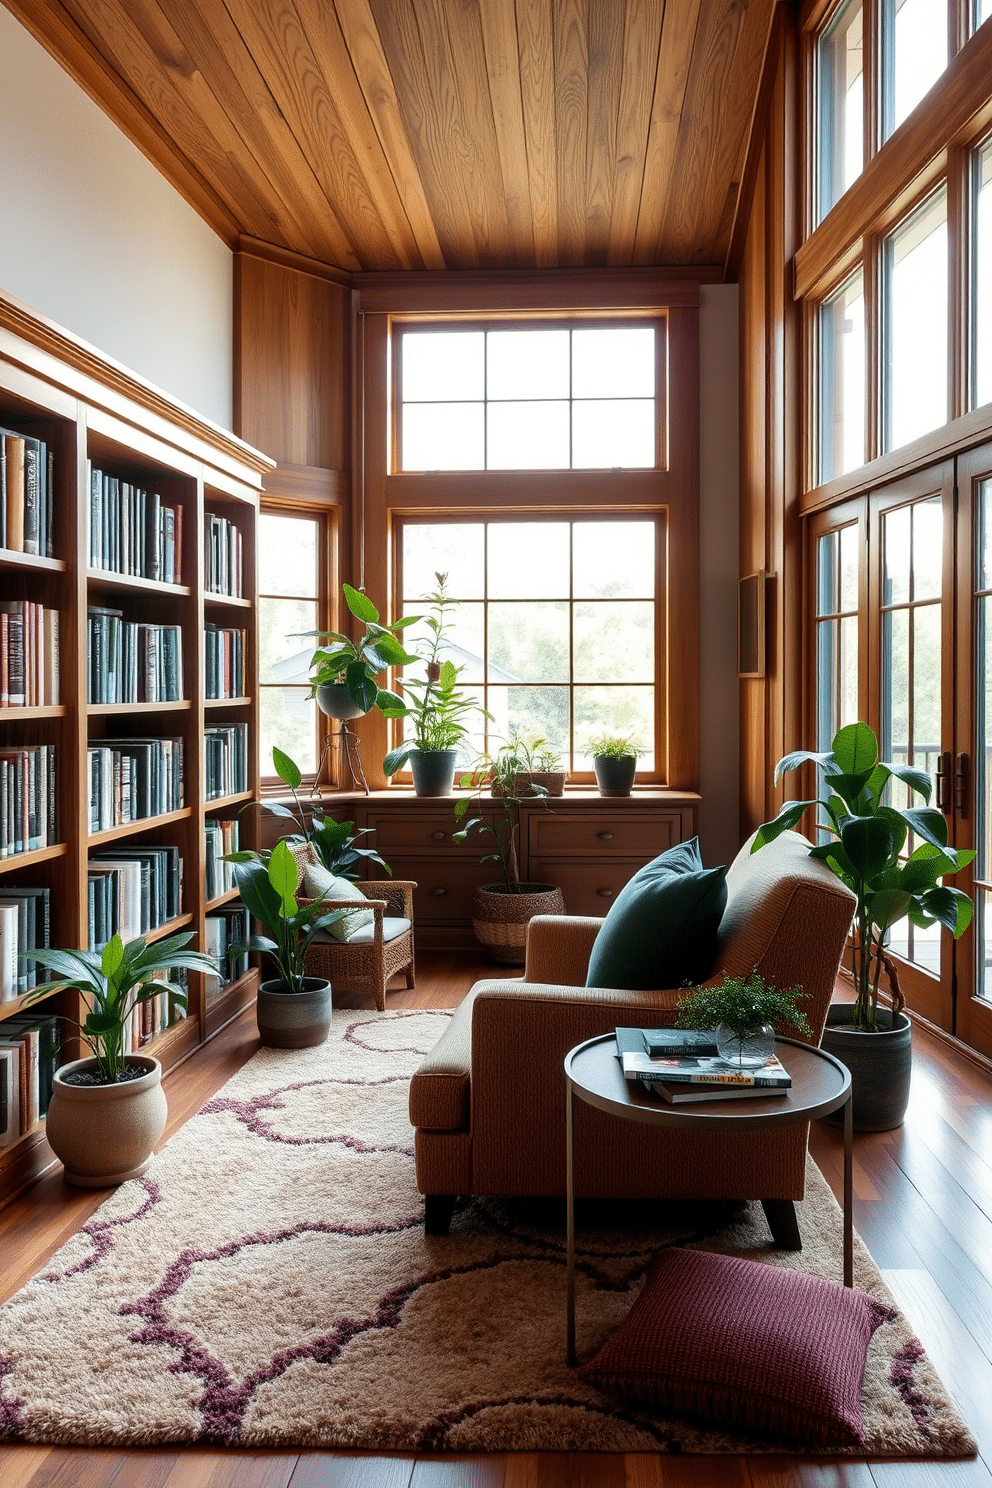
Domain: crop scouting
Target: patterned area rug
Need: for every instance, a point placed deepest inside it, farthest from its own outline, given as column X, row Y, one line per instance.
column 269, row 1283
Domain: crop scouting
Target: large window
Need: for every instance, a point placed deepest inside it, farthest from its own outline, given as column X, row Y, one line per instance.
column 840, row 93
column 981, row 276
column 842, row 379
column 555, row 630
column 914, row 54
column 289, row 573
column 546, row 397
column 914, row 375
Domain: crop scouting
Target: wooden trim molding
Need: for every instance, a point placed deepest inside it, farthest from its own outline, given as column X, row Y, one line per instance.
column 540, row 291
column 291, row 485
column 287, row 259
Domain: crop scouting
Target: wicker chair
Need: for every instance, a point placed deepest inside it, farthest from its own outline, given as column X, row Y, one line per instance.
column 366, row 965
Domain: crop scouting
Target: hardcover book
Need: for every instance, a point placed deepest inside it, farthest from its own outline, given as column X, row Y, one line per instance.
column 703, row 1070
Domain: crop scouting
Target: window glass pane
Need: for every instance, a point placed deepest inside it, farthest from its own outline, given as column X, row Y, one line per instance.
column 981, row 277
column 926, row 686
column 614, row 642
column 463, row 641
column 613, row 560
column 443, row 436
column 827, row 549
column 528, row 560
column 443, row 366
column 982, row 10
column 615, row 434
column 985, row 536
column 840, row 142
column 528, row 642
column 848, row 671
column 454, row 548
column 897, row 530
column 287, row 556
column 531, row 712
column 527, row 364
column 842, row 380
column 288, row 718
column 613, row 363
column 850, row 549
column 895, row 685
column 914, row 48
column 915, row 362
column 928, row 548
column 614, row 710
column 527, row 436
column 284, row 653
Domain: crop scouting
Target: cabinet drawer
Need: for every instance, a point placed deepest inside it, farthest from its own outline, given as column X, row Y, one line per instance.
column 445, row 886
column 412, row 829
column 589, row 888
column 643, row 835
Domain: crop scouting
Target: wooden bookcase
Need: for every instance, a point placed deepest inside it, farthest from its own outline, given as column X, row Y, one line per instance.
column 94, row 413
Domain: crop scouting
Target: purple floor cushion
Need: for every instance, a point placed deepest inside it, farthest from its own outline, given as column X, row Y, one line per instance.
column 750, row 1347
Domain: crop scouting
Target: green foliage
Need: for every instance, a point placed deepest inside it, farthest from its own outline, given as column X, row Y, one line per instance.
column 438, row 710
column 868, row 835
column 507, row 773
column 334, row 842
column 611, row 746
column 742, row 1003
column 113, row 983
column 358, row 664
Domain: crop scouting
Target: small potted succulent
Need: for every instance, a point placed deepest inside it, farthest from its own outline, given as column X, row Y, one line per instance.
column 742, row 1011
column 343, row 675
column 519, row 764
column 614, row 759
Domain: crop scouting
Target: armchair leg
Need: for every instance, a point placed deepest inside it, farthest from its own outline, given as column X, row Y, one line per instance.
column 781, row 1217
column 438, row 1209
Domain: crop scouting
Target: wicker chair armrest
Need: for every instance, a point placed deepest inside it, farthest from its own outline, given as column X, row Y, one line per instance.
column 397, row 892
column 377, row 906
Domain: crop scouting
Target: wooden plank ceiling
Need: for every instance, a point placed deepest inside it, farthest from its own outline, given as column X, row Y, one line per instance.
column 435, row 134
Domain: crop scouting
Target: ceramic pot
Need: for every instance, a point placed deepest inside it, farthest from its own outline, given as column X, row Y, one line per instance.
column 880, row 1064
column 500, row 918
column 335, row 701
column 105, row 1134
column 293, row 1020
column 433, row 771
column 615, row 776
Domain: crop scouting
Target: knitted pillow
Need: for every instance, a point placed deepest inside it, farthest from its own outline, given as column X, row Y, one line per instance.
column 744, row 1346
column 320, row 883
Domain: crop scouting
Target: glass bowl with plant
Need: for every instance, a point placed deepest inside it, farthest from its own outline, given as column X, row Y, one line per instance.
column 742, row 1011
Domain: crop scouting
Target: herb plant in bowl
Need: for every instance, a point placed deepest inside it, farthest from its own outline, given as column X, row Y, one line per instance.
column 742, row 1011
column 614, row 759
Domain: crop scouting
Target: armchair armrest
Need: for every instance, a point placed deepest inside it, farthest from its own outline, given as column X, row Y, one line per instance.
column 558, row 949
column 377, row 906
column 397, row 893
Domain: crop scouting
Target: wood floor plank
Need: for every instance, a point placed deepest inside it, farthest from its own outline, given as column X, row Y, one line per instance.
column 800, row 1472
column 485, row 1470
column 351, row 1470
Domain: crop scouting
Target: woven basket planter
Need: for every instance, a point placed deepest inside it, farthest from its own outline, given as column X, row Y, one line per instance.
column 500, row 918
column 553, row 782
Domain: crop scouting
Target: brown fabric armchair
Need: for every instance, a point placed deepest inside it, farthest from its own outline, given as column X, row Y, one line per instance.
column 488, row 1103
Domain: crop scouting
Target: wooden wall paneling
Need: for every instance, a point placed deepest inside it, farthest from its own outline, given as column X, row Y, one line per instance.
column 607, row 25
column 535, row 47
column 499, row 39
column 571, row 109
column 682, row 767
column 640, row 47
column 673, row 57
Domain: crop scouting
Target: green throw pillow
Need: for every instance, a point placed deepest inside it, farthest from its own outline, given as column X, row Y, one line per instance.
column 661, row 928
column 320, row 883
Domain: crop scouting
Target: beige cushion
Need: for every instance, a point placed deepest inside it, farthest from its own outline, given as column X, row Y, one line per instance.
column 320, row 883
column 392, row 926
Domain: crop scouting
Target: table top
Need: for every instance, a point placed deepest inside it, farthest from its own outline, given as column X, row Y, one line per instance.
column 820, row 1084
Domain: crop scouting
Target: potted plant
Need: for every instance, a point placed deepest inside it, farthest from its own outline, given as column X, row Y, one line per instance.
column 334, row 843
column 293, row 1010
column 519, row 764
column 343, row 675
column 436, row 706
column 614, row 759
column 742, row 1011
column 502, row 911
column 108, row 1110
column 866, row 838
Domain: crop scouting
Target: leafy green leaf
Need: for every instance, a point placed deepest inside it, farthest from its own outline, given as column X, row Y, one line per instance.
column 789, row 814
column 888, row 907
column 360, row 605
column 917, row 780
column 113, row 955
column 868, row 844
column 287, row 769
column 855, row 749
column 927, row 823
column 396, row 759
column 362, row 688
column 800, row 757
column 284, row 876
column 950, row 906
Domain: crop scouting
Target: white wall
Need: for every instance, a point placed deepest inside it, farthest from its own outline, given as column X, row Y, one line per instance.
column 718, row 512
column 95, row 239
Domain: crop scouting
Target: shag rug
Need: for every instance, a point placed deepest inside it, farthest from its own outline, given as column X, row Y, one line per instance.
column 268, row 1283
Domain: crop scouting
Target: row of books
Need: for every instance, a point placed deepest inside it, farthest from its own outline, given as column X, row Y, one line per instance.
column 683, row 1065
column 156, row 1013
column 131, row 779
column 29, row 1057
column 225, row 760
column 222, row 837
column 224, row 662
column 27, row 482
column 133, row 531
column 27, row 799
column 224, row 929
column 223, row 557
column 29, row 654
column 131, row 891
column 25, row 925
column 132, row 662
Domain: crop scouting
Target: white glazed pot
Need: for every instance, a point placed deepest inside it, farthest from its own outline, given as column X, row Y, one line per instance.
column 105, row 1134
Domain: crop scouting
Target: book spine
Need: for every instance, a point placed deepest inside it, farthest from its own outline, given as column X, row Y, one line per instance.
column 710, row 1077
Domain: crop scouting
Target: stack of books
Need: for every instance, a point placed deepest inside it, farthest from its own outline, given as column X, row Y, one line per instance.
column 683, row 1065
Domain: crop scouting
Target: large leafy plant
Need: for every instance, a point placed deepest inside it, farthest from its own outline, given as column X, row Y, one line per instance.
column 113, row 982
column 508, row 775
column 335, row 843
column 868, row 836
column 357, row 664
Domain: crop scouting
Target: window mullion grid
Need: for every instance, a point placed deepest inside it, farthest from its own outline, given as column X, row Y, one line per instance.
column 571, row 638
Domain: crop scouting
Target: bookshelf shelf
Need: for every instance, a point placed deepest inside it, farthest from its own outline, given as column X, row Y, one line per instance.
column 133, row 480
column 226, row 898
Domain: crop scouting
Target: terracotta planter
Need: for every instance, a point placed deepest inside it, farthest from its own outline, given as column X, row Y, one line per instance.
column 615, row 775
column 335, row 701
column 500, row 918
column 293, row 1020
column 880, row 1064
column 553, row 782
column 105, row 1134
column 433, row 771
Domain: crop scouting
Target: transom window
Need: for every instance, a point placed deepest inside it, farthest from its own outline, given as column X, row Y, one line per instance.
column 288, row 605
column 543, row 397
column 555, row 629
column 981, row 278
column 914, row 269
column 840, row 82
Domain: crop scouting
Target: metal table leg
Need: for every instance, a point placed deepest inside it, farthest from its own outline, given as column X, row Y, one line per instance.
column 570, row 1223
column 849, row 1191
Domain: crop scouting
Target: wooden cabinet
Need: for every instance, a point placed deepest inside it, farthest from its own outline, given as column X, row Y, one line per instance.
column 94, row 417
column 586, row 844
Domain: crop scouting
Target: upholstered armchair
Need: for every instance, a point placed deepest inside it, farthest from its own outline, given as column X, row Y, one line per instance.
column 488, row 1103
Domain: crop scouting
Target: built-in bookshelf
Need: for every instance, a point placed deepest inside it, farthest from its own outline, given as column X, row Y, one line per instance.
column 128, row 694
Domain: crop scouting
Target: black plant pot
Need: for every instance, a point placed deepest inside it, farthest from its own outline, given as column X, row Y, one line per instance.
column 615, row 775
column 433, row 771
column 880, row 1064
column 335, row 701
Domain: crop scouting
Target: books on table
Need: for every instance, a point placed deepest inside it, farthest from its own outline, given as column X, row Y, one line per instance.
column 681, row 1078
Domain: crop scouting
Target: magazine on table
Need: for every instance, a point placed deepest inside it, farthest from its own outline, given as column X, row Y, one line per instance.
column 705, row 1070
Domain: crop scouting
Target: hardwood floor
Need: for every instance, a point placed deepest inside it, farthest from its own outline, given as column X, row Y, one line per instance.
column 923, row 1205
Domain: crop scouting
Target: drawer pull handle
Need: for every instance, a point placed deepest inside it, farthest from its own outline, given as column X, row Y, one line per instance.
column 439, row 893
column 605, row 836
column 605, row 893
column 438, row 836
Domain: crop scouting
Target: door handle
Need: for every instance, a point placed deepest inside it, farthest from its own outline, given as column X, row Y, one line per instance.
column 942, row 770
column 961, row 784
